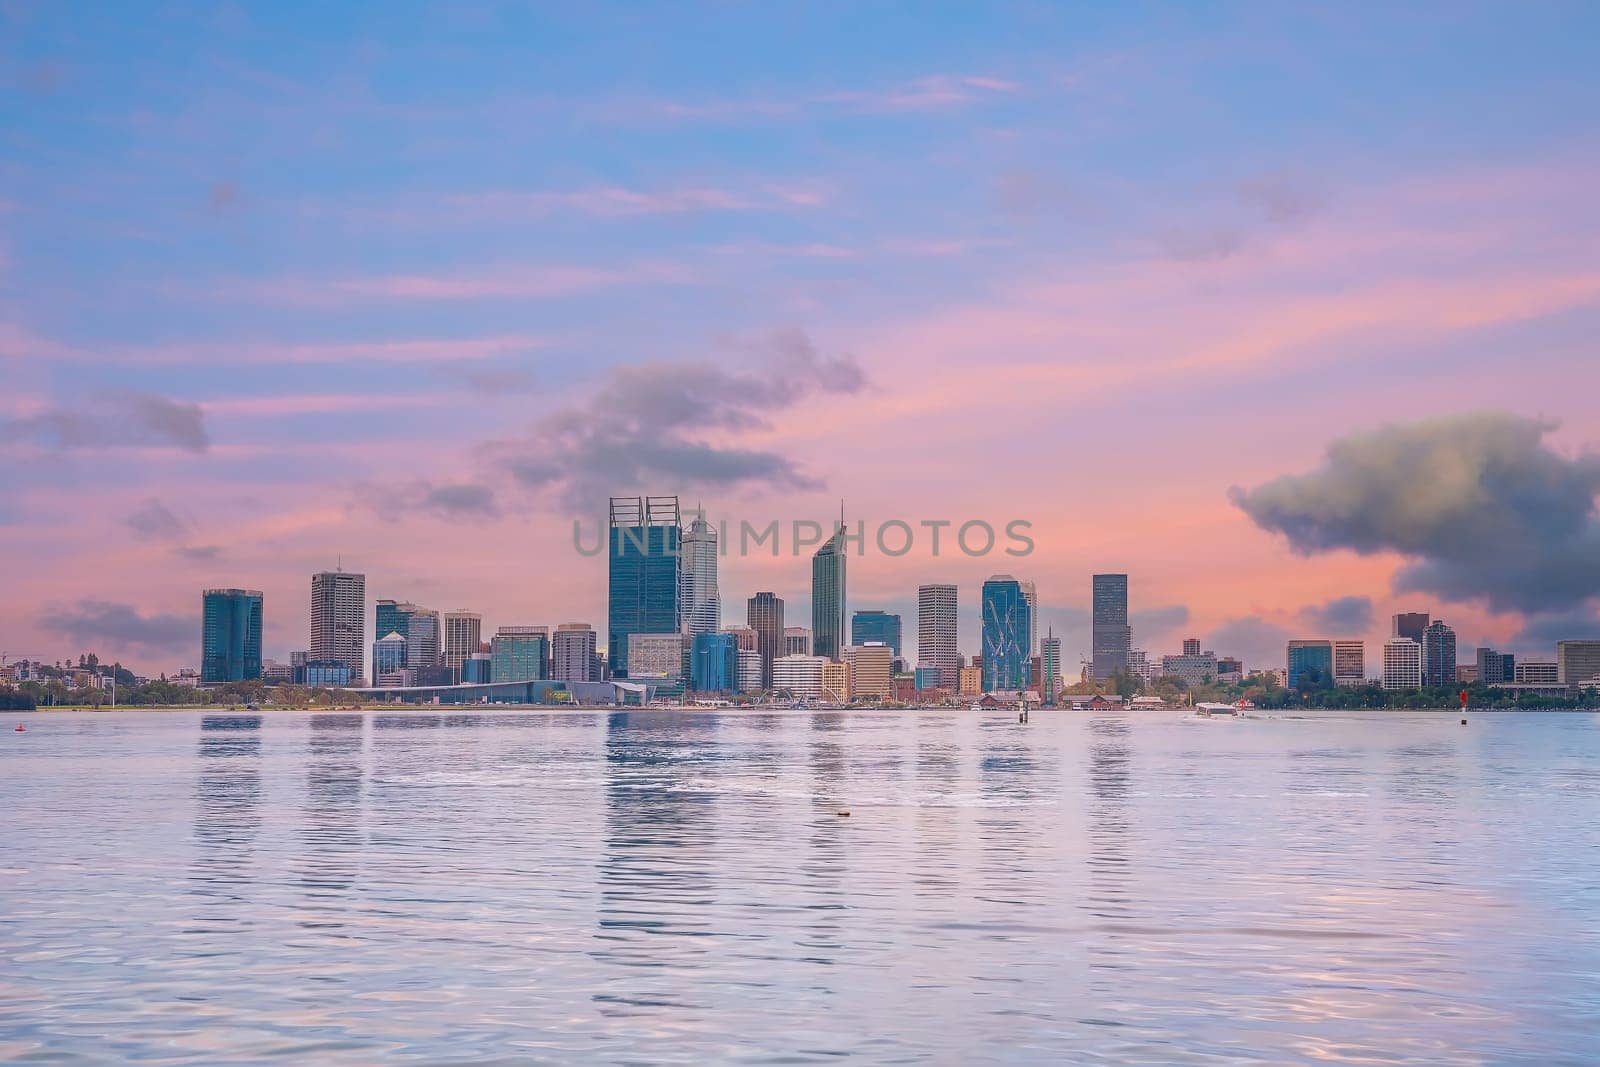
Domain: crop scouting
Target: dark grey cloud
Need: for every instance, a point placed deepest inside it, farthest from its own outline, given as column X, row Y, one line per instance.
column 103, row 626
column 199, row 553
column 1153, row 623
column 1539, row 634
column 1345, row 615
column 646, row 427
column 454, row 500
column 113, row 420
column 1259, row 643
column 1478, row 503
column 154, row 521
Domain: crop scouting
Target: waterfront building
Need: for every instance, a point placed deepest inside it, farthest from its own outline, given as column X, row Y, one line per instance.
column 520, row 654
column 327, row 674
column 275, row 673
column 463, row 631
column 1537, row 672
column 230, row 635
column 1496, row 668
column 836, row 685
column 1349, row 662
column 1438, row 654
column 1198, row 669
column 1030, row 593
column 796, row 641
column 1140, row 666
column 1230, row 670
column 1050, row 683
column 388, row 655
column 1005, row 634
column 1310, row 661
column 1402, row 663
column 646, row 579
column 1466, row 673
column 477, row 669
column 874, row 625
column 936, row 633
column 764, row 613
column 970, row 681
column 702, row 602
column 750, row 671
column 573, row 654
column 1577, row 662
column 424, row 639
column 338, row 620
column 828, row 596
column 1111, row 636
column 798, row 676
column 927, row 678
column 656, row 656
column 714, row 663
column 1410, row 624
column 871, row 670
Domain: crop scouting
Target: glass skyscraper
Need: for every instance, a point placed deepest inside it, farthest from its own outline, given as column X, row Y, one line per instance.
column 1112, row 638
column 828, row 597
column 230, row 638
column 1006, row 625
column 1310, row 658
column 876, row 626
column 714, row 663
column 702, row 603
column 520, row 653
column 645, row 585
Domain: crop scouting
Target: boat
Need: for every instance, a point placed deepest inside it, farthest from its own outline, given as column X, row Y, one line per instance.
column 1209, row 710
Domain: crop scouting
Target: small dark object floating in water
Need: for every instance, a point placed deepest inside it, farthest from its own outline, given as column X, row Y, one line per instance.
column 845, row 813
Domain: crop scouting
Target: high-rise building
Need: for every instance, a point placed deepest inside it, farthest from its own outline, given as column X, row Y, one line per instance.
column 391, row 617
column 878, row 626
column 936, row 633
column 1050, row 668
column 338, row 621
column 573, row 653
column 388, row 657
column 796, row 641
column 1112, row 638
column 230, row 635
column 836, row 682
column 828, row 596
column 1030, row 593
column 1410, row 624
column 1577, row 662
column 1495, row 668
column 646, row 578
column 798, row 676
column 477, row 669
column 1198, row 669
column 463, row 630
column 1310, row 661
column 1191, row 646
column 764, row 613
column 750, row 671
column 871, row 670
column 1349, row 663
column 702, row 603
column 1438, row 654
column 744, row 638
column 424, row 639
column 714, row 663
column 656, row 656
column 1402, row 664
column 520, row 653
column 1537, row 672
column 1005, row 634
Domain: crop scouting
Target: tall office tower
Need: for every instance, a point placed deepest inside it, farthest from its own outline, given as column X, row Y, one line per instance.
column 1313, row 659
column 881, row 626
column 1191, row 646
column 646, row 573
column 1030, row 593
column 1496, row 667
column 1111, row 636
column 764, row 612
column 519, row 654
column 702, row 604
column 871, row 670
column 744, row 638
column 230, row 635
column 424, row 645
column 828, row 597
column 338, row 620
column 936, row 633
column 1438, row 654
column 388, row 657
column 1402, row 664
column 1577, row 662
column 391, row 617
column 713, row 663
column 1050, row 668
column 573, row 657
column 1350, row 663
column 462, row 632
column 796, row 641
column 1005, row 634
column 1410, row 624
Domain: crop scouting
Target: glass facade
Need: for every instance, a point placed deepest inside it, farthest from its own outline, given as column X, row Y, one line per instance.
column 230, row 640
column 1112, row 639
column 645, row 582
column 1311, row 661
column 1005, row 635
column 388, row 655
column 828, row 598
column 879, row 626
column 714, row 663
column 519, row 654
column 1438, row 654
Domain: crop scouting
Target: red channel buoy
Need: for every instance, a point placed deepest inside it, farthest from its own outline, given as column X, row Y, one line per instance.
column 21, row 728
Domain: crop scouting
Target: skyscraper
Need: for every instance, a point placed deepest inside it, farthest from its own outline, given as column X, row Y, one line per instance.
column 702, row 603
column 936, row 633
column 876, row 625
column 391, row 617
column 1438, row 654
column 519, row 653
column 388, row 657
column 573, row 653
column 338, row 620
column 828, row 597
column 1410, row 624
column 714, row 663
column 1350, row 662
column 1496, row 667
column 1111, row 636
column 1402, row 664
column 646, row 580
column 871, row 670
column 1577, row 662
column 764, row 613
column 796, row 641
column 1005, row 634
column 230, row 635
column 423, row 642
column 1030, row 593
column 463, row 631
column 1310, row 661
column 1050, row 668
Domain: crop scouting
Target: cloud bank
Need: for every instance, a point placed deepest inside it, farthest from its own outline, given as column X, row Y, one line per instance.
column 114, row 420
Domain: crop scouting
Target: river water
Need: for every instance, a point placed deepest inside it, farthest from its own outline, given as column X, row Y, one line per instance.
column 511, row 887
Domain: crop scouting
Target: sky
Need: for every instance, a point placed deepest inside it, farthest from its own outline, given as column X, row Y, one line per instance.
column 1287, row 311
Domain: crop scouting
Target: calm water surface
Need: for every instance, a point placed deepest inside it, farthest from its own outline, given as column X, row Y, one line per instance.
column 515, row 886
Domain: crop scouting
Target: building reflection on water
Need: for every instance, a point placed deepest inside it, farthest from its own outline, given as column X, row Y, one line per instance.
column 331, row 832
column 1110, row 856
column 227, row 813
